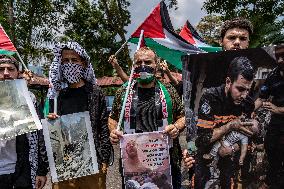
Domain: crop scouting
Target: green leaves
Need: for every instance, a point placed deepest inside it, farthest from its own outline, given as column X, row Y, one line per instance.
column 265, row 15
column 209, row 27
column 99, row 27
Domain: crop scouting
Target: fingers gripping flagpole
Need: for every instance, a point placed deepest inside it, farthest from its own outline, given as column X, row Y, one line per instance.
column 11, row 44
column 129, row 83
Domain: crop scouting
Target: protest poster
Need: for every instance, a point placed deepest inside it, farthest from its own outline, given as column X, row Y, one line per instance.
column 146, row 160
column 70, row 146
column 17, row 112
column 203, row 71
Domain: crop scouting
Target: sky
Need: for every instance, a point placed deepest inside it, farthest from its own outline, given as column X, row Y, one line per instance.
column 187, row 10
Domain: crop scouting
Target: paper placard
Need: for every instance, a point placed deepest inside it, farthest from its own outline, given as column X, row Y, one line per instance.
column 146, row 160
column 70, row 146
column 17, row 112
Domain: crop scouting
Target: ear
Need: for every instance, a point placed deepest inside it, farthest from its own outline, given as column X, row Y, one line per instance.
column 228, row 83
column 221, row 42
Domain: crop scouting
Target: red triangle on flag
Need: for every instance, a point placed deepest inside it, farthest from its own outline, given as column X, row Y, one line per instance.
column 5, row 42
column 154, row 19
column 186, row 34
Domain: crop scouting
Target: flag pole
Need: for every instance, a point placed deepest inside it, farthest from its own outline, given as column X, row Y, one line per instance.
column 120, row 49
column 129, row 83
column 22, row 62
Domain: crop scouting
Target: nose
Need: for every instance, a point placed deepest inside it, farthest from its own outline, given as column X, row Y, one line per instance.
column 6, row 73
column 237, row 42
column 143, row 63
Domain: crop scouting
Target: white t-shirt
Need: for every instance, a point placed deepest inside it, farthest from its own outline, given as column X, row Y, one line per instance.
column 8, row 156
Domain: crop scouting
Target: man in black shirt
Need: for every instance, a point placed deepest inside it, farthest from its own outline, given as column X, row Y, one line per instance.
column 146, row 112
column 71, row 74
column 274, row 88
column 218, row 114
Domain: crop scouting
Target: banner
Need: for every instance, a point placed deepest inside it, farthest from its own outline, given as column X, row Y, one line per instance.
column 146, row 160
column 70, row 146
column 17, row 112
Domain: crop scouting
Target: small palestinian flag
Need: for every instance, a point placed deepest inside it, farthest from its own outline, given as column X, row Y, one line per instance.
column 6, row 45
column 191, row 35
column 159, row 35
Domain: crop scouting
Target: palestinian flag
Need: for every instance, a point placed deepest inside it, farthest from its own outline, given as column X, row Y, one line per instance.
column 6, row 45
column 159, row 35
column 191, row 35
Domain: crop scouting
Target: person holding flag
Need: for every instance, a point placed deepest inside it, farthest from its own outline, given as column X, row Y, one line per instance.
column 152, row 106
column 23, row 160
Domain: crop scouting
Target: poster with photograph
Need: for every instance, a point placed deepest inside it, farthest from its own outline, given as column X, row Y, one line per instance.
column 70, row 146
column 203, row 71
column 146, row 160
column 17, row 112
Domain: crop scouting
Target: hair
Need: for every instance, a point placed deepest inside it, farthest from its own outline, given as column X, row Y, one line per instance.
column 143, row 50
column 240, row 66
column 238, row 22
column 9, row 60
column 82, row 58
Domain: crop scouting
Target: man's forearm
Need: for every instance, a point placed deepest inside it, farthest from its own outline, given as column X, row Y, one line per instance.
column 121, row 73
column 180, row 124
column 258, row 103
column 220, row 132
column 112, row 124
column 281, row 110
column 171, row 77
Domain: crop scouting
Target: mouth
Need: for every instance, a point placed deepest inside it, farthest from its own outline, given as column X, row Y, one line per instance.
column 236, row 48
column 238, row 101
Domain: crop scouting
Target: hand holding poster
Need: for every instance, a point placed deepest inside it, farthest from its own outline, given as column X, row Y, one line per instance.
column 70, row 146
column 17, row 112
column 146, row 160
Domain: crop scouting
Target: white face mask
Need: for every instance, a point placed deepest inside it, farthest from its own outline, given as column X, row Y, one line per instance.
column 73, row 73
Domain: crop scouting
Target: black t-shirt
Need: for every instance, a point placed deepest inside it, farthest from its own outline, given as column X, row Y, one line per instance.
column 146, row 105
column 274, row 87
column 73, row 100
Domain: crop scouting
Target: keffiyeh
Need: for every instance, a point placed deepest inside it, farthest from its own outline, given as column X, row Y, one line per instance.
column 55, row 73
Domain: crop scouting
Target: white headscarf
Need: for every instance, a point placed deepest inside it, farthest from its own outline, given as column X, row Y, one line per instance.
column 55, row 73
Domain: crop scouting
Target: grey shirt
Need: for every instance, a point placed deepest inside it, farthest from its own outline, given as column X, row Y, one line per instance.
column 8, row 156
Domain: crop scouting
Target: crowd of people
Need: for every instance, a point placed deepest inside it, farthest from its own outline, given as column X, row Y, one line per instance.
column 226, row 124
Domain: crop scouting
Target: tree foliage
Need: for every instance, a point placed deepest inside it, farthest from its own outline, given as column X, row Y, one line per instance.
column 266, row 16
column 31, row 25
column 99, row 27
column 35, row 25
column 209, row 27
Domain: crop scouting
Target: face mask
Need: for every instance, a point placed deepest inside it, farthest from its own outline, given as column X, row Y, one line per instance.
column 144, row 74
column 72, row 72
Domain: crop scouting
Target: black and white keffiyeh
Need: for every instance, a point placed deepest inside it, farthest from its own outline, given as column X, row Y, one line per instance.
column 55, row 73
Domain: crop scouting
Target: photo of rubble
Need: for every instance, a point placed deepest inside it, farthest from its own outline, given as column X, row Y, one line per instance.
column 17, row 113
column 70, row 146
